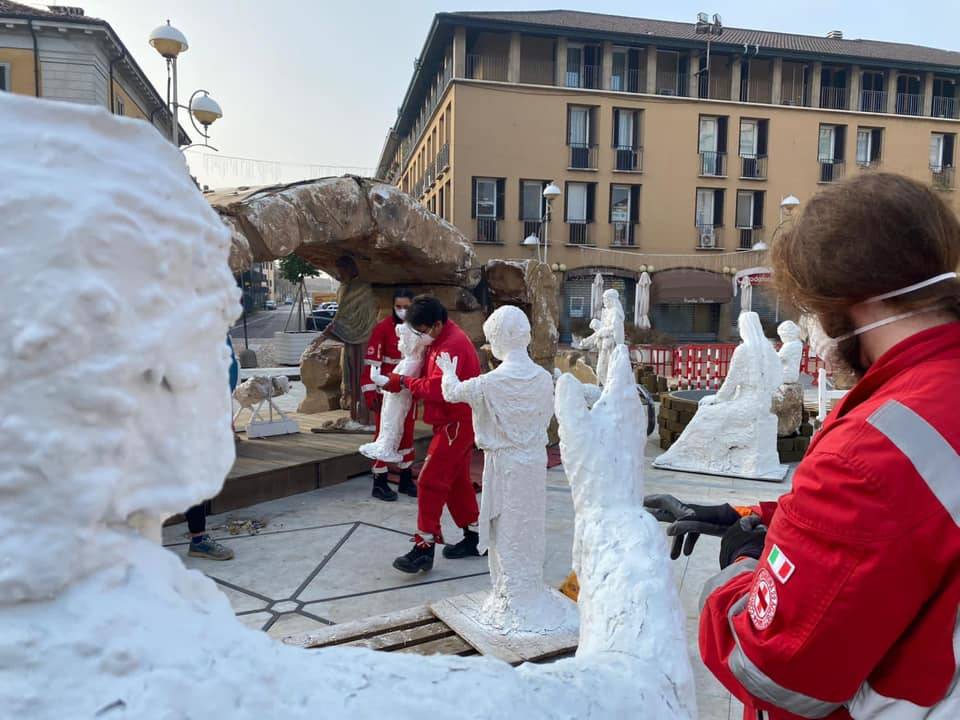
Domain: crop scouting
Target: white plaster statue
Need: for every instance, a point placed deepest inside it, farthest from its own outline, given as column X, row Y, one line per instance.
column 788, row 399
column 791, row 351
column 734, row 432
column 512, row 407
column 97, row 619
column 607, row 333
column 396, row 406
column 260, row 388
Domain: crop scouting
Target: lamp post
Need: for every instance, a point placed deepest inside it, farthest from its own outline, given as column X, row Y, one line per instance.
column 787, row 207
column 709, row 28
column 550, row 193
column 170, row 42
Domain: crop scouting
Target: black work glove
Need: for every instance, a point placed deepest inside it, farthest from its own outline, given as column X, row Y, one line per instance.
column 743, row 539
column 689, row 521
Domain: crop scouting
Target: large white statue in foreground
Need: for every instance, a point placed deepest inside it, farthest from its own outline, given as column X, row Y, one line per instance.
column 735, row 432
column 512, row 408
column 121, row 415
column 607, row 333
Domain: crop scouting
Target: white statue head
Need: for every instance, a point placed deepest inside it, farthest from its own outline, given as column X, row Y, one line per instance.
column 789, row 331
column 507, row 329
column 611, row 298
column 411, row 343
column 118, row 400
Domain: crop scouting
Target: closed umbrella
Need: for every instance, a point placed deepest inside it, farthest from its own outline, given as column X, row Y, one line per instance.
column 596, row 297
column 746, row 295
column 641, row 313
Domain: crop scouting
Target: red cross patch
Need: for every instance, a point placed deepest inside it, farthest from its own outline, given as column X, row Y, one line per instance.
column 762, row 605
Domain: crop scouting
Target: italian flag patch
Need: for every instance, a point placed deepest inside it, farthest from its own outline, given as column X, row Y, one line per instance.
column 780, row 564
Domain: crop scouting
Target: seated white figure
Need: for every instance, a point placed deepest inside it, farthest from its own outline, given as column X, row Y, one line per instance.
column 512, row 407
column 607, row 333
column 734, row 432
column 396, row 405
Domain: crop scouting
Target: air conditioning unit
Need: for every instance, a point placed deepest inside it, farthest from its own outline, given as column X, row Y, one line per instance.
column 708, row 239
column 666, row 91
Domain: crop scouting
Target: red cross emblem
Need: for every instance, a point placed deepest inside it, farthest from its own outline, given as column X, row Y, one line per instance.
column 762, row 604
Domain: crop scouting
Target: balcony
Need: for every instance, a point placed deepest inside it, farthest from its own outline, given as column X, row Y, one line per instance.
column 535, row 72
column 709, row 237
column 833, row 98
column 945, row 107
column 713, row 164
column 634, row 81
column 831, row 170
column 579, row 234
column 909, row 104
column 628, row 159
column 623, row 234
column 487, row 230
column 757, row 91
column 748, row 238
column 753, row 167
column 873, row 101
column 589, row 77
column 443, row 158
column 430, row 174
column 942, row 178
column 533, row 227
column 713, row 88
column 487, row 67
column 583, row 157
column 672, row 83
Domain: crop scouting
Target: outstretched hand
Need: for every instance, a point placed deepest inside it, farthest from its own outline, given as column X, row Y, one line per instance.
column 688, row 521
column 447, row 365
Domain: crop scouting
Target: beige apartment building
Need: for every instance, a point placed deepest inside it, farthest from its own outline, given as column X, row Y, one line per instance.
column 665, row 163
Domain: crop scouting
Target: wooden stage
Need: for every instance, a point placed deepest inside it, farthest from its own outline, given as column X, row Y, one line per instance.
column 275, row 467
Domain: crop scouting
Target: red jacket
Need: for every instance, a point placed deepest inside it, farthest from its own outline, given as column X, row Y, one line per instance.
column 383, row 349
column 437, row 411
column 856, row 613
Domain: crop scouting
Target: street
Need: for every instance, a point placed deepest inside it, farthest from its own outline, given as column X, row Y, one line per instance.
column 264, row 323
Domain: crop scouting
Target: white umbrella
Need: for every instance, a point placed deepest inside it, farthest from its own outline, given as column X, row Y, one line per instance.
column 641, row 312
column 596, row 297
column 746, row 295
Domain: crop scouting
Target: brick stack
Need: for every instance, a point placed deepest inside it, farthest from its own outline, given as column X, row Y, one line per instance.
column 654, row 383
column 675, row 414
column 792, row 449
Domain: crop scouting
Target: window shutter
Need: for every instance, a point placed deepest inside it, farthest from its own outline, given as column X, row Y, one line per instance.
column 948, row 143
column 543, row 200
column 568, row 124
column 633, row 61
column 718, row 208
column 721, row 134
column 473, row 198
column 762, row 137
column 566, row 201
column 876, row 140
column 501, row 193
column 758, row 209
column 591, row 201
column 592, row 114
column 520, row 186
column 839, row 148
column 616, row 127
column 636, row 128
column 635, row 204
column 610, row 205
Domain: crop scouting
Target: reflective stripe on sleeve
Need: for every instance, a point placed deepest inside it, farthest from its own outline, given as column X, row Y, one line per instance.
column 764, row 688
column 726, row 575
column 390, row 361
column 367, row 388
column 932, row 456
column 372, row 363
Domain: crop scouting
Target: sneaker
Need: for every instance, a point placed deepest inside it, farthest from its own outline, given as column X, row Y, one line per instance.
column 406, row 485
column 465, row 548
column 381, row 490
column 419, row 559
column 210, row 549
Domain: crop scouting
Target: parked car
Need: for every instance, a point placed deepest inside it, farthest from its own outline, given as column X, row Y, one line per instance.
column 270, row 305
column 288, row 300
column 319, row 319
column 329, row 306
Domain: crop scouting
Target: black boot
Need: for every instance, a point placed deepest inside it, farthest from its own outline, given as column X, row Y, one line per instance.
column 465, row 548
column 381, row 489
column 407, row 486
column 419, row 559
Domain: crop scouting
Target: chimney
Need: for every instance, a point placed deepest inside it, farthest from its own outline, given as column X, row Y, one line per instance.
column 68, row 10
column 835, row 35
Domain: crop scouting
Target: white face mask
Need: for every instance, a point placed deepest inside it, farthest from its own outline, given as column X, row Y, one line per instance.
column 401, row 313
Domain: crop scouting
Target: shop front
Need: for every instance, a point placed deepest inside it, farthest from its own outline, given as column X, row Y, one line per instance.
column 575, row 297
column 692, row 305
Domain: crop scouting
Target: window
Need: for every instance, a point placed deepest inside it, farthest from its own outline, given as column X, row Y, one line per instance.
column 712, row 145
column 625, row 75
column 941, row 151
column 624, row 212
column 580, row 137
column 873, row 96
column 709, row 217
column 749, row 217
column 583, row 66
column 532, row 206
column 753, row 148
column 121, row 106
column 487, row 207
column 4, row 77
column 579, row 207
column 830, row 152
column 626, row 139
column 869, row 142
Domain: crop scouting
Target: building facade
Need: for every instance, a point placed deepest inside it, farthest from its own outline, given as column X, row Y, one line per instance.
column 666, row 164
column 61, row 54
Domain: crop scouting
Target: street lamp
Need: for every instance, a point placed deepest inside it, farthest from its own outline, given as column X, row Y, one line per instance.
column 787, row 206
column 550, row 193
column 531, row 240
column 709, row 28
column 170, row 42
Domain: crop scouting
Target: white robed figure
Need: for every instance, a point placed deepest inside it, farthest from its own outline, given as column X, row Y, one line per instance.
column 607, row 333
column 512, row 407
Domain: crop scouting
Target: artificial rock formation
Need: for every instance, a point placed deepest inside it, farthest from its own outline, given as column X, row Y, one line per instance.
column 321, row 374
column 105, row 621
column 530, row 285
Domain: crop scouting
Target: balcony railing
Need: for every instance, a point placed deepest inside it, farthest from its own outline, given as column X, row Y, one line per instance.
column 713, row 88
column 945, row 107
column 487, row 67
column 873, row 101
column 538, row 72
column 671, row 83
column 633, row 81
column 753, row 167
column 833, row 98
column 583, row 157
column 831, row 170
column 623, row 234
column 868, row 164
column 757, row 91
column 942, row 177
column 443, row 158
column 578, row 232
column 588, row 77
column 909, row 104
column 748, row 238
column 713, row 164
column 709, row 237
column 487, row 230
column 533, row 227
column 430, row 174
column 628, row 159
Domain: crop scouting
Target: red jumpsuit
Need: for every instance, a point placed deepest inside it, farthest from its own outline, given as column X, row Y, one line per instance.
column 852, row 611
column 445, row 477
column 383, row 351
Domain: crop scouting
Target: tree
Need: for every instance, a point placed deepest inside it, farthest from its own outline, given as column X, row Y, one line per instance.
column 294, row 269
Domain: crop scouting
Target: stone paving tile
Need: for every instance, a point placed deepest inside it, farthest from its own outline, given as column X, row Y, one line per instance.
column 255, row 621
column 293, row 624
column 242, row 602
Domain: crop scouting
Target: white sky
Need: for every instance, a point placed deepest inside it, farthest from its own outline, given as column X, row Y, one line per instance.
column 317, row 83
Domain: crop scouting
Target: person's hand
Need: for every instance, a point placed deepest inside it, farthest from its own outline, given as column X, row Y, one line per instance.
column 688, row 521
column 378, row 379
column 744, row 538
column 393, row 384
column 595, row 325
column 447, row 365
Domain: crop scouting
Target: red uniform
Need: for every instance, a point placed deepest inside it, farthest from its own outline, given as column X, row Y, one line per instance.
column 383, row 351
column 445, row 477
column 852, row 611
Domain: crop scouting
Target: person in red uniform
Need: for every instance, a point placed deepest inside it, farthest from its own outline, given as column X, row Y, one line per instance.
column 383, row 352
column 445, row 477
column 841, row 600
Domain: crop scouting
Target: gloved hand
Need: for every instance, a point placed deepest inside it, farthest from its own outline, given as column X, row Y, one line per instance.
column 394, row 383
column 743, row 539
column 689, row 521
column 374, row 401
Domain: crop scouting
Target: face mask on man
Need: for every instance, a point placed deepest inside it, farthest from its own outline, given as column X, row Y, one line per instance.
column 401, row 313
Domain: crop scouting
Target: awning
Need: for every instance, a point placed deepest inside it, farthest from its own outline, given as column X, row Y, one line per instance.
column 690, row 286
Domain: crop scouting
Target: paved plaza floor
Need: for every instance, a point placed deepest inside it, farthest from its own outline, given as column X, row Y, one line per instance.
column 325, row 556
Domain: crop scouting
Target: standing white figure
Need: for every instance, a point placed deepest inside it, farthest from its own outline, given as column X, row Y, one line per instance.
column 512, row 406
column 734, row 432
column 607, row 333
column 396, row 405
column 791, row 351
column 788, row 399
